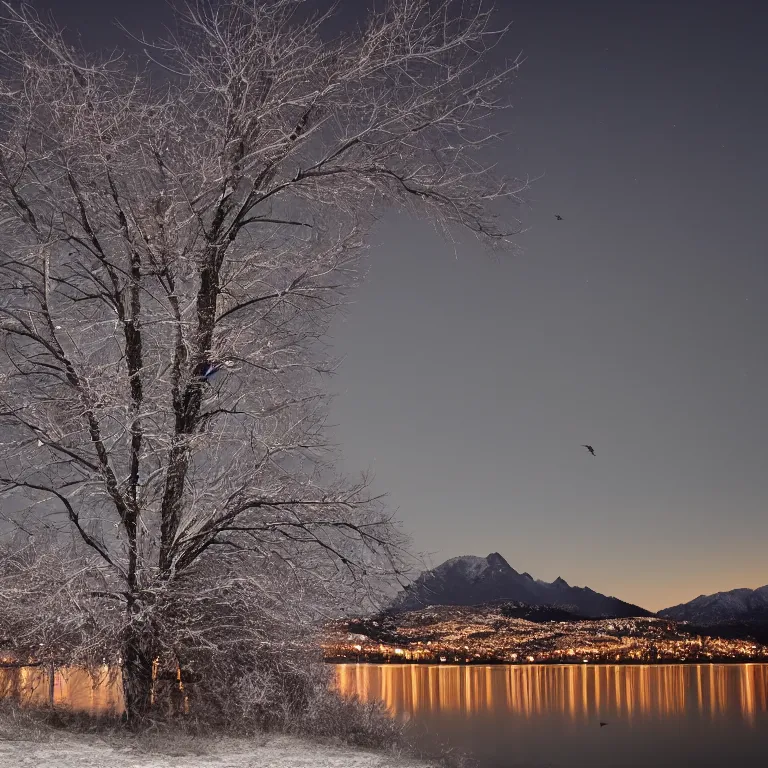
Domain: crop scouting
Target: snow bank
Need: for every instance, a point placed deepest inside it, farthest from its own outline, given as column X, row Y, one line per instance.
column 74, row 751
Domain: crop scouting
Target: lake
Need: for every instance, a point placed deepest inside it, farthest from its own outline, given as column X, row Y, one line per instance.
column 535, row 716
column 527, row 716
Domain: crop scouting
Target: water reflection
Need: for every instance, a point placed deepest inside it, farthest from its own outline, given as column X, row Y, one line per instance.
column 575, row 692
column 98, row 692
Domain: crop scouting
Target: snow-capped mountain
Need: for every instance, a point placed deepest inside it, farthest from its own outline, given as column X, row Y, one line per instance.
column 738, row 605
column 471, row 580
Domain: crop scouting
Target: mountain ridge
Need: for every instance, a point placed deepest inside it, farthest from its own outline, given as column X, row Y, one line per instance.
column 734, row 605
column 472, row 580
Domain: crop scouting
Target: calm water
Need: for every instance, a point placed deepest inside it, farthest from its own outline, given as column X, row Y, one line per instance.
column 532, row 716
column 660, row 716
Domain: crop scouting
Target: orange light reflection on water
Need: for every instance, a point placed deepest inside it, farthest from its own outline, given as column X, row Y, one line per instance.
column 574, row 691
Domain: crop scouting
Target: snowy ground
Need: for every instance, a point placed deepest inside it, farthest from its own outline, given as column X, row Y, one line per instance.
column 73, row 751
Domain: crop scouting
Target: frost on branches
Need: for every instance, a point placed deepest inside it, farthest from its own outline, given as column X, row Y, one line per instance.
column 175, row 236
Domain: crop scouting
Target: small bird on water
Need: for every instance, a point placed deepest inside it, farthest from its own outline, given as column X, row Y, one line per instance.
column 590, row 449
column 558, row 217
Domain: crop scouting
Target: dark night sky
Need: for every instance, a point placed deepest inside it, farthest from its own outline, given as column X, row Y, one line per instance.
column 636, row 324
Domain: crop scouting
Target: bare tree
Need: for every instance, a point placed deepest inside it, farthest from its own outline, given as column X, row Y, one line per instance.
column 174, row 239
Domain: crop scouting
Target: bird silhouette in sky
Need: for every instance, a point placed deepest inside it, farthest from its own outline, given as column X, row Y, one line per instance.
column 558, row 217
column 603, row 724
column 590, row 449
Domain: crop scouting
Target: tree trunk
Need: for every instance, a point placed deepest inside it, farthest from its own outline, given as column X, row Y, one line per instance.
column 138, row 678
column 51, row 684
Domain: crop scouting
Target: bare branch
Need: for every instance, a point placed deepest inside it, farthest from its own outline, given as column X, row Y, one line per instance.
column 175, row 238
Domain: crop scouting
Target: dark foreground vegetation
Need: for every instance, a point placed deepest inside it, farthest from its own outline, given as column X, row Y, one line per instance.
column 297, row 699
column 329, row 720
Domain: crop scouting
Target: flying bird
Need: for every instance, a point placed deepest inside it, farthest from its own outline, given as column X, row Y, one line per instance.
column 558, row 217
column 590, row 449
column 603, row 724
